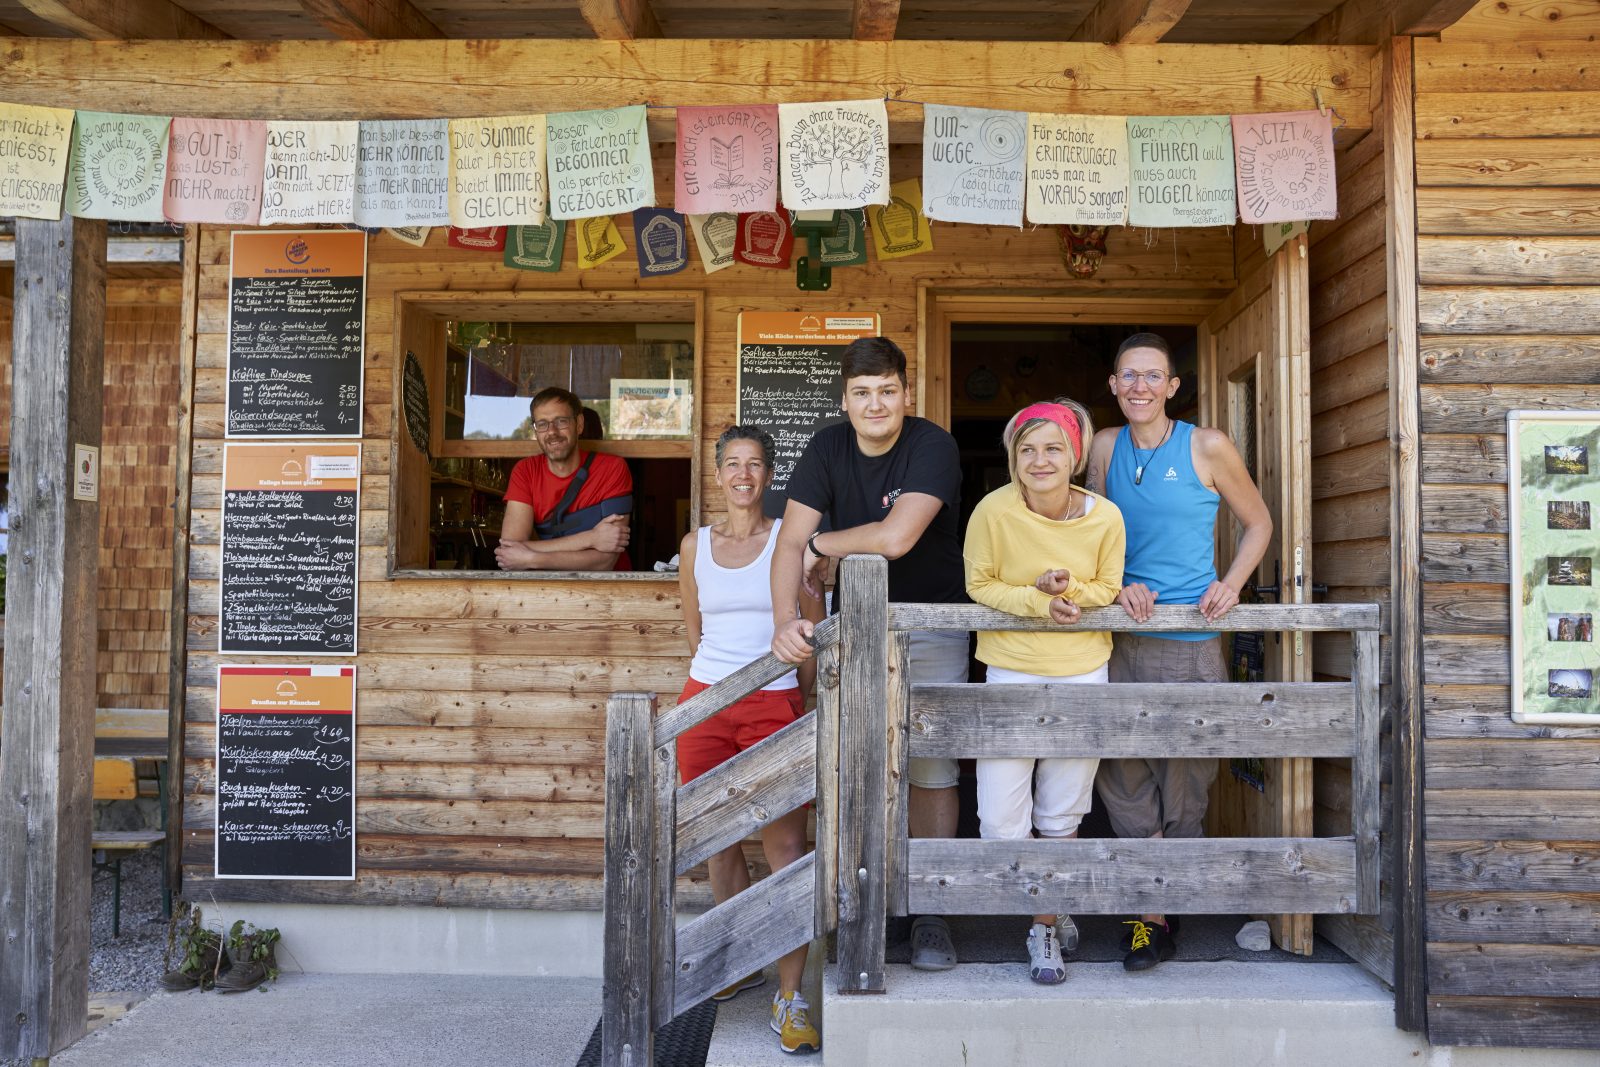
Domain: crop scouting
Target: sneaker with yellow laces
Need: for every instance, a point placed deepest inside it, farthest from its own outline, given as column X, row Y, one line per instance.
column 791, row 1021
column 749, row 981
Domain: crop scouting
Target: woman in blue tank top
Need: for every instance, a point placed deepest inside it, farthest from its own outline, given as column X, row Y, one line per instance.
column 1168, row 478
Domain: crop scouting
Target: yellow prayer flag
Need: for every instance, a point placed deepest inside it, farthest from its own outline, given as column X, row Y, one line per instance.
column 899, row 227
column 34, row 142
column 598, row 241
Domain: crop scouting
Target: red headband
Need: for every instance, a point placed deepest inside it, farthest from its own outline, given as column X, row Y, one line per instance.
column 1059, row 414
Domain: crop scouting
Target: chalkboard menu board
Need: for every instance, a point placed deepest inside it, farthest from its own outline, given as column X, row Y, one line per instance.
column 296, row 327
column 789, row 380
column 286, row 772
column 289, row 521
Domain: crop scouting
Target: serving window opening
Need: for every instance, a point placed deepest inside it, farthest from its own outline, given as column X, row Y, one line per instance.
column 634, row 379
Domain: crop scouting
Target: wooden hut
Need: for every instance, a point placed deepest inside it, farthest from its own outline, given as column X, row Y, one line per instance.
column 1372, row 361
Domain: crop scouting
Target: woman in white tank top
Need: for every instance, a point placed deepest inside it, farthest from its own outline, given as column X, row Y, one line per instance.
column 724, row 579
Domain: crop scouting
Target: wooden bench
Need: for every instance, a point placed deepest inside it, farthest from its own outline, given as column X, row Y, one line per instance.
column 123, row 739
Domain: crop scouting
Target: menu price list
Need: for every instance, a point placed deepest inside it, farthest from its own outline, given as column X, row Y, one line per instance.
column 285, row 772
column 296, row 329
column 289, row 549
column 789, row 381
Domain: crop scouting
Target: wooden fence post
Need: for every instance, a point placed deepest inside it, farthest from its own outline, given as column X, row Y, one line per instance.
column 627, row 1035
column 863, row 772
column 827, row 803
column 1365, row 768
column 47, row 751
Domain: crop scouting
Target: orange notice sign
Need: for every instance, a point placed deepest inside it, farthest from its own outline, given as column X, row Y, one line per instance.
column 300, row 254
column 320, row 467
column 287, row 690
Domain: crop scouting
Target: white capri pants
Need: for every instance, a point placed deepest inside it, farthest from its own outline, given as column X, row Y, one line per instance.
column 1009, row 802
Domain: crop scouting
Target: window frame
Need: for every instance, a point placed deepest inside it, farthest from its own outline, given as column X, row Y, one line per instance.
column 419, row 319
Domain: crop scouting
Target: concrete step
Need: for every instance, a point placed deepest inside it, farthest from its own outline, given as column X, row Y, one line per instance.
column 1229, row 1014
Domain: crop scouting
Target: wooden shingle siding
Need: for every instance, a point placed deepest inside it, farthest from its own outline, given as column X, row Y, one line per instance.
column 1509, row 303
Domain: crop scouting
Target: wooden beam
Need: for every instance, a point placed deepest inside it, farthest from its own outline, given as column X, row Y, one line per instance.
column 1405, row 526
column 450, row 78
column 119, row 20
column 1371, row 21
column 874, row 20
column 1130, row 21
column 372, row 20
column 178, row 620
column 620, row 20
column 47, row 739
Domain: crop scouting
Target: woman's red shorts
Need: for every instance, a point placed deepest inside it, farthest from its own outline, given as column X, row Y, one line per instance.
column 735, row 728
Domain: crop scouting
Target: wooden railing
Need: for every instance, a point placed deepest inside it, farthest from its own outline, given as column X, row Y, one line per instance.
column 656, row 830
column 850, row 755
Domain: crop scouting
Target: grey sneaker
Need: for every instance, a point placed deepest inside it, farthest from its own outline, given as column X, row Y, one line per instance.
column 1044, row 956
column 1066, row 933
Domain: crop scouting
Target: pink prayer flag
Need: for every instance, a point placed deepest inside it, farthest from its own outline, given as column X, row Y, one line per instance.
column 1283, row 164
column 214, row 171
column 727, row 159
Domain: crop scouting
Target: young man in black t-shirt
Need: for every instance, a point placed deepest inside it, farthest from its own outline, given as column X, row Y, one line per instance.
column 889, row 484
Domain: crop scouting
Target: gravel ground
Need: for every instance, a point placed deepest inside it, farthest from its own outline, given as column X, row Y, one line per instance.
column 131, row 963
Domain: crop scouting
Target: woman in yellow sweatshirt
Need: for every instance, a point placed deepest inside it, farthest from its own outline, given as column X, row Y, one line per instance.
column 1042, row 547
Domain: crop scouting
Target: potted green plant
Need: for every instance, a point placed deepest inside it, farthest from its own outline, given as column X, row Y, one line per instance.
column 201, row 949
column 252, row 955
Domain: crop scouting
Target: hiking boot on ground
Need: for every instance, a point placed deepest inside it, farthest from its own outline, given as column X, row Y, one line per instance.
column 749, row 981
column 1151, row 944
column 1044, row 956
column 244, row 972
column 791, row 1021
column 199, row 965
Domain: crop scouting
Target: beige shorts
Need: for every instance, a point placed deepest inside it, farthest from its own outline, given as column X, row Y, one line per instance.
column 937, row 657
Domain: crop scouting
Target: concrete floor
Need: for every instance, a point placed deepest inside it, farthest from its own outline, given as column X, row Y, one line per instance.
column 346, row 1020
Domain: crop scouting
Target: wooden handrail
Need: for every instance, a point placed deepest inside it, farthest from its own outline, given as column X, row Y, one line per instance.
column 1305, row 617
column 735, row 687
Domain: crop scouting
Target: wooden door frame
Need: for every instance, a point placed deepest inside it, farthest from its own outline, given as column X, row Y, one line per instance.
column 940, row 308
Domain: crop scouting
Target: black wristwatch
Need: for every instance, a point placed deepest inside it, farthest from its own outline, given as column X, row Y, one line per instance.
column 811, row 543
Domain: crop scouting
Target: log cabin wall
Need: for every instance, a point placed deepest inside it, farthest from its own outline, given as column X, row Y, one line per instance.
column 481, row 701
column 1350, row 477
column 1507, row 151
column 138, row 455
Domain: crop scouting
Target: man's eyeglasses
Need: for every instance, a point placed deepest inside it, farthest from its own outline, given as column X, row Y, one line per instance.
column 1155, row 379
column 560, row 422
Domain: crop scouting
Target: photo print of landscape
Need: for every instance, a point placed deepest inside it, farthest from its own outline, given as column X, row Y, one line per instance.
column 1556, row 486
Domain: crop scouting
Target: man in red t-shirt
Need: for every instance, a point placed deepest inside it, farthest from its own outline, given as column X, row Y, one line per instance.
column 566, row 510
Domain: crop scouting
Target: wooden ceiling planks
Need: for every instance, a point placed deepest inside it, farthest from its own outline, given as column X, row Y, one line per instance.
column 368, row 20
column 111, row 20
column 1131, row 21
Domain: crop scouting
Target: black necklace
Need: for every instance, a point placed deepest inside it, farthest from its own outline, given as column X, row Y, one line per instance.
column 1141, row 464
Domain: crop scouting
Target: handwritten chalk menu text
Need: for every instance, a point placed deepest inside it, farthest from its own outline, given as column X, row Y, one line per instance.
column 286, row 772
column 296, row 324
column 289, row 519
column 789, row 382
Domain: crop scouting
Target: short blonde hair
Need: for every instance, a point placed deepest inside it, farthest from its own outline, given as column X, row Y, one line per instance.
column 1013, row 435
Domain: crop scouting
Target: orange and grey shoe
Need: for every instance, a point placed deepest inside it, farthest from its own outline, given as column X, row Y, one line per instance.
column 749, row 981
column 791, row 1021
